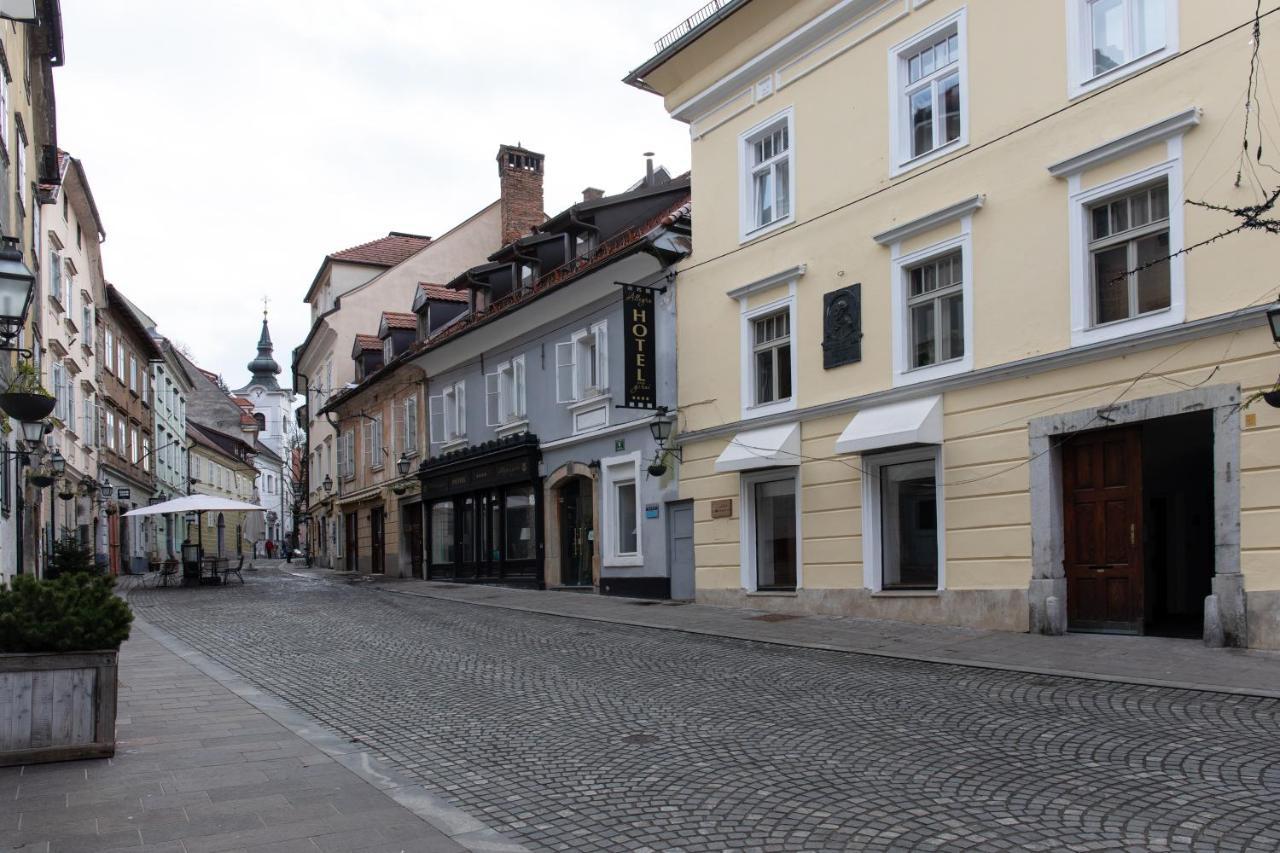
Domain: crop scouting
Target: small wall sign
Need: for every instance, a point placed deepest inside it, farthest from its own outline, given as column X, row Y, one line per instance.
column 651, row 511
column 123, row 494
column 619, row 444
column 722, row 508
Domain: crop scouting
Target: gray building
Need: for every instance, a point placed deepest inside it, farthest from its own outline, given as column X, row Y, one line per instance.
column 541, row 392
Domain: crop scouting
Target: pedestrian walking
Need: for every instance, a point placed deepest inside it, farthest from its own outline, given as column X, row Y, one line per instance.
column 271, row 549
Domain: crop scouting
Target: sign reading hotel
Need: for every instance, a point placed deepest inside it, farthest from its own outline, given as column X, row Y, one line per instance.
column 641, row 375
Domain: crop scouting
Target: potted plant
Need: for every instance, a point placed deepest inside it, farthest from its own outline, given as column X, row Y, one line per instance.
column 59, row 642
column 24, row 398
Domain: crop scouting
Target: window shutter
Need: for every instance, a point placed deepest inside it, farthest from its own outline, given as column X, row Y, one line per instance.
column 397, row 429
column 493, row 399
column 462, row 409
column 411, row 425
column 367, row 442
column 565, row 358
column 517, row 391
column 435, row 418
column 601, row 332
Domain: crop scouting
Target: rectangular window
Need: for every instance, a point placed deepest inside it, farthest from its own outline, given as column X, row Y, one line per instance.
column 1128, row 252
column 449, row 414
column 88, row 434
column 69, row 285
column 442, row 533
column 22, row 170
column 935, row 307
column 1121, row 31
column 146, row 454
column 120, row 365
column 773, row 530
column 59, row 392
column 771, row 358
column 625, row 506
column 111, row 430
column 386, row 350
column 86, row 322
column 373, row 442
column 410, row 432
column 909, row 525
column 133, row 446
column 109, row 345
column 769, row 158
column 929, row 88
column 520, row 523
column 55, row 278
column 504, row 393
column 133, row 374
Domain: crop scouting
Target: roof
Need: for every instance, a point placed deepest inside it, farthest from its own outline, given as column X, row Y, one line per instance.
column 128, row 317
column 685, row 33
column 384, row 252
column 400, row 320
column 367, row 342
column 228, row 445
column 440, row 292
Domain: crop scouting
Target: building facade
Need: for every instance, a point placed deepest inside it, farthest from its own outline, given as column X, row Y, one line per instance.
column 945, row 353
column 272, row 408
column 172, row 385
column 222, row 466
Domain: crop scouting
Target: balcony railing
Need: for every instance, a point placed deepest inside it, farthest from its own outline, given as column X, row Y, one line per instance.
column 688, row 24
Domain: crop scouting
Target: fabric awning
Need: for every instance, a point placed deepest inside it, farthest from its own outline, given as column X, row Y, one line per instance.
column 761, row 448
column 196, row 503
column 893, row 425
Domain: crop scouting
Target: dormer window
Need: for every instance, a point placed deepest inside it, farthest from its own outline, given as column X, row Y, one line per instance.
column 584, row 244
column 528, row 275
column 387, row 349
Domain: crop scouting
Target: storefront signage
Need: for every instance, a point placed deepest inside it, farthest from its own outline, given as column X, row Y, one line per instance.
column 639, row 365
column 481, row 476
column 123, row 494
column 651, row 511
column 842, row 326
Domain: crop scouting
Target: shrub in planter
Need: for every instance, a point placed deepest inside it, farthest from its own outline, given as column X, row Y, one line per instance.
column 69, row 557
column 73, row 613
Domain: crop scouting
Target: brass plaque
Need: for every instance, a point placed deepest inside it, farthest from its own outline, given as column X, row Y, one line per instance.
column 722, row 508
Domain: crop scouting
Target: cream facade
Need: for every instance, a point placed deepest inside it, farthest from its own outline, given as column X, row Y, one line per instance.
column 222, row 466
column 1037, row 424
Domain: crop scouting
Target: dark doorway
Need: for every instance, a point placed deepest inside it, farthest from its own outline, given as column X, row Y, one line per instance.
column 1102, row 520
column 349, row 540
column 376, row 544
column 1177, row 462
column 411, row 518
column 577, row 532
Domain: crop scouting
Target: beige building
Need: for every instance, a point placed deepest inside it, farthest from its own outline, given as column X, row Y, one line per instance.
column 944, row 355
column 222, row 466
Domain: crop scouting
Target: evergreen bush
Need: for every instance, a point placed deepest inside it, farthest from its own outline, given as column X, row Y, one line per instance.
column 76, row 612
column 69, row 557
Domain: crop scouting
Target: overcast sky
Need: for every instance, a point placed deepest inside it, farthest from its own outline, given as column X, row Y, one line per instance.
column 231, row 145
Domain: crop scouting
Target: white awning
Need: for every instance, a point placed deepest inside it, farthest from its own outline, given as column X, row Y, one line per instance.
column 893, row 425
column 196, row 503
column 761, row 448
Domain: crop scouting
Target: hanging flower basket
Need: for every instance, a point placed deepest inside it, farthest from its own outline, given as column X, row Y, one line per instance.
column 23, row 406
column 1272, row 397
column 40, row 480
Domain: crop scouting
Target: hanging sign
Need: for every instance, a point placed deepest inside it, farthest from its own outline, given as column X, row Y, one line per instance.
column 641, row 376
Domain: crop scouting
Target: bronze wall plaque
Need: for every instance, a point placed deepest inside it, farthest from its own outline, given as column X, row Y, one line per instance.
column 722, row 508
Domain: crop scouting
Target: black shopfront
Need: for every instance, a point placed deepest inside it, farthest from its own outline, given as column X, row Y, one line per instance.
column 483, row 509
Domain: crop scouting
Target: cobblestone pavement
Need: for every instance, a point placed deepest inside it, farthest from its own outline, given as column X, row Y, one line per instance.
column 573, row 735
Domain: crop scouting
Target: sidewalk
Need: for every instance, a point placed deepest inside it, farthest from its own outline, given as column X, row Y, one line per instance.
column 206, row 763
column 1155, row 661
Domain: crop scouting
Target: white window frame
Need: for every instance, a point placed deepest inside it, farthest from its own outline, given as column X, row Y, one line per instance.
column 900, row 158
column 1083, row 332
column 572, row 368
column 1080, row 77
column 615, row 471
column 409, row 436
column 903, row 372
column 748, row 361
column 872, row 546
column 372, row 440
column 386, row 350
column 448, row 414
column 748, row 576
column 505, row 394
column 748, row 229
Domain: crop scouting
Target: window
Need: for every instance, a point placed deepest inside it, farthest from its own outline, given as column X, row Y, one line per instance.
column 146, row 454
column 504, row 393
column 386, row 350
column 110, row 350
column 86, row 324
column 929, row 76
column 1116, row 37
column 582, row 365
column 1126, row 234
column 449, row 414
column 22, row 171
column 69, row 285
column 133, row 446
column 58, row 375
column 4, row 116
column 620, row 510
column 770, row 528
column 935, row 306
column 771, row 357
column 520, row 523
column 55, row 278
column 372, row 440
column 768, row 185
column 120, row 365
column 111, row 430
column 902, row 541
column 88, row 434
column 133, row 374
column 409, row 425
column 442, row 533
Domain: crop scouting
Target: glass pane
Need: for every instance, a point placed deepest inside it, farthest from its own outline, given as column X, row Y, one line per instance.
column 442, row 533
column 764, row 197
column 1111, row 284
column 953, row 48
column 627, row 533
column 775, row 522
column 493, row 529
column 1107, row 25
column 923, row 351
column 1139, row 213
column 1148, row 25
column 782, row 181
column 1159, row 203
column 1119, row 216
column 466, row 532
column 784, row 372
column 909, row 525
column 913, row 69
column 949, row 107
column 917, row 281
column 953, row 327
column 764, row 377
column 1153, row 282
column 930, row 273
column 520, row 523
column 921, row 122
column 1101, row 223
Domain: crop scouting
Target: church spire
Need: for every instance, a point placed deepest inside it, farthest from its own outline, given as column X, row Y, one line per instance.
column 264, row 367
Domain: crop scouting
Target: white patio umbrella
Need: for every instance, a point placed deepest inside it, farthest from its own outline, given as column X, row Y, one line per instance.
column 196, row 503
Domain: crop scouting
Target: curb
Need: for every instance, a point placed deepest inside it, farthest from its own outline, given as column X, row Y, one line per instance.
column 1140, row 681
column 439, row 813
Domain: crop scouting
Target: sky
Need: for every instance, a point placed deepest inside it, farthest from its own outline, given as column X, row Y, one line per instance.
column 231, row 145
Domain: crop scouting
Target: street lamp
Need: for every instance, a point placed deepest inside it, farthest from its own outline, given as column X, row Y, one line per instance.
column 402, row 464
column 32, row 432
column 104, row 488
column 1273, row 317
column 58, row 462
column 328, row 483
column 17, row 284
column 661, row 427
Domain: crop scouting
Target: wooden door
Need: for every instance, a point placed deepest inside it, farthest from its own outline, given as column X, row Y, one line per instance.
column 1102, row 519
column 376, row 546
column 412, row 520
column 350, row 542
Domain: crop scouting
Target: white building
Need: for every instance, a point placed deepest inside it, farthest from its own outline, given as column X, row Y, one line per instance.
column 272, row 408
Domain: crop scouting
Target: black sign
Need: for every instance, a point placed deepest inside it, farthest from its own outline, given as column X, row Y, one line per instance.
column 123, row 494
column 842, row 326
column 521, row 469
column 640, row 377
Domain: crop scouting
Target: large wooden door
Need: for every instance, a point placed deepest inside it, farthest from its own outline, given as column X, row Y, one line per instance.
column 1102, row 517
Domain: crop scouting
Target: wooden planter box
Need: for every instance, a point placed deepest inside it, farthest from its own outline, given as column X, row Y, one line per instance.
column 57, row 706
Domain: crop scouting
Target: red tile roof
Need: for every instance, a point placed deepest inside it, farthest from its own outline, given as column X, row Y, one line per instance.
column 400, row 320
column 440, row 292
column 369, row 342
column 384, row 252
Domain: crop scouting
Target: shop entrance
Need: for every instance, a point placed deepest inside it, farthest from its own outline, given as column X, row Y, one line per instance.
column 577, row 532
column 1138, row 526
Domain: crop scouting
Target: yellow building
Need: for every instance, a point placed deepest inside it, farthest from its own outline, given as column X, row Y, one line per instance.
column 945, row 353
column 221, row 465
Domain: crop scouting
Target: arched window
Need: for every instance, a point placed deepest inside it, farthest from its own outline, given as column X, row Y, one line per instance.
column 262, row 421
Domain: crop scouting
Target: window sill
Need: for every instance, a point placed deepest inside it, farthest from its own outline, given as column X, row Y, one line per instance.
column 905, row 593
column 759, row 411
column 589, row 402
column 453, row 444
column 905, row 166
column 772, row 593
column 1120, row 72
column 756, row 233
column 512, row 428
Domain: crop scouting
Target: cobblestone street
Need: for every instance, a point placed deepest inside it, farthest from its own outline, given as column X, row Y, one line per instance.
column 574, row 735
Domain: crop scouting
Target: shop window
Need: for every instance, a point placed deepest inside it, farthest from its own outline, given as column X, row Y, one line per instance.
column 771, row 529
column 521, row 523
column 902, row 536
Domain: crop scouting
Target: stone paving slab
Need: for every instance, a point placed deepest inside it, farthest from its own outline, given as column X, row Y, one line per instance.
column 201, row 769
column 1155, row 661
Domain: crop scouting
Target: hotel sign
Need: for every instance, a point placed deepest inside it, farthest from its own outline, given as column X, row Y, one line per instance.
column 640, row 378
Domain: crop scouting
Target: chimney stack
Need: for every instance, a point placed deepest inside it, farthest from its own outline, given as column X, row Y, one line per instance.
column 648, row 168
column 520, row 177
column 592, row 194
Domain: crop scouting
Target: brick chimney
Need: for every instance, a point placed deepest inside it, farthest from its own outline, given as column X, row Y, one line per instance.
column 520, row 176
column 592, row 194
